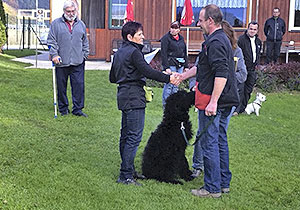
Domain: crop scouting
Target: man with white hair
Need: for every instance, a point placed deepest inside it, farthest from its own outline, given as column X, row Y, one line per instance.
column 69, row 48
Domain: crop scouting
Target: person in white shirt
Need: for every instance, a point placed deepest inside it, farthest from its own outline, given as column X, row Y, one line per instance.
column 251, row 47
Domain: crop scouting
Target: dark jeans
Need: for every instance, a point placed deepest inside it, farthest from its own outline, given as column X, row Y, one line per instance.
column 198, row 153
column 76, row 74
column 131, row 136
column 273, row 51
column 215, row 150
column 245, row 90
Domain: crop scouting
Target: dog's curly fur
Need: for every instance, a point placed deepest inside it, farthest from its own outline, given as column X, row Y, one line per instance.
column 164, row 155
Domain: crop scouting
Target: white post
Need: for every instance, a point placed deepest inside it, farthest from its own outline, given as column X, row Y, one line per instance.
column 187, row 40
column 36, row 30
column 287, row 55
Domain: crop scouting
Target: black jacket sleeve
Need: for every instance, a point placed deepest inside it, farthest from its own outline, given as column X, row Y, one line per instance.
column 283, row 27
column 266, row 27
column 218, row 59
column 145, row 69
column 164, row 52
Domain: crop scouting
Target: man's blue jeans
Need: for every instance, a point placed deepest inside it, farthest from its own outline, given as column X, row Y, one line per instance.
column 215, row 151
column 170, row 88
column 131, row 136
column 198, row 153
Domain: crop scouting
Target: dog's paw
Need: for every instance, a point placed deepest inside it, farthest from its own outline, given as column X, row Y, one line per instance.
column 175, row 182
column 188, row 178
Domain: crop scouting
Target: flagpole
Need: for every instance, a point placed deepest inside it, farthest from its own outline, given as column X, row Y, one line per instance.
column 187, row 40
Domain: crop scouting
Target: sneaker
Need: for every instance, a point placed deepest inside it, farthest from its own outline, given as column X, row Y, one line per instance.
column 137, row 175
column 203, row 193
column 196, row 173
column 129, row 182
column 225, row 190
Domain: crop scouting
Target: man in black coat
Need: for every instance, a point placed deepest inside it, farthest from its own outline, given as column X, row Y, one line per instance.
column 251, row 47
column 274, row 30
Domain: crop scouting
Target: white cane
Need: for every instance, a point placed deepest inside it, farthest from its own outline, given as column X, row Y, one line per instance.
column 54, row 90
column 54, row 87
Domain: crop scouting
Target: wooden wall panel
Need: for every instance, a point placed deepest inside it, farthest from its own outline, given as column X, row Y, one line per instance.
column 156, row 16
column 265, row 11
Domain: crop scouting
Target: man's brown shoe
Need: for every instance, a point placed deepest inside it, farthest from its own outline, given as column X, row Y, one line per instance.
column 203, row 193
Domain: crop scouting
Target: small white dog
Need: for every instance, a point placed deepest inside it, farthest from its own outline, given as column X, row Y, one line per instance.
column 256, row 104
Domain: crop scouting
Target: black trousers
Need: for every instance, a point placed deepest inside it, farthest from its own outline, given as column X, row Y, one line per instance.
column 245, row 90
column 273, row 51
column 76, row 74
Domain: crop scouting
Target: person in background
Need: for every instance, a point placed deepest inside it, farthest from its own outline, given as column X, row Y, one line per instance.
column 69, row 48
column 198, row 165
column 129, row 70
column 174, row 57
column 251, row 47
column 216, row 93
column 274, row 30
column 240, row 67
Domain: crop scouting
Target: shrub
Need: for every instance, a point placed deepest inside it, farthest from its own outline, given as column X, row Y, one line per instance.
column 274, row 77
column 2, row 35
column 2, row 13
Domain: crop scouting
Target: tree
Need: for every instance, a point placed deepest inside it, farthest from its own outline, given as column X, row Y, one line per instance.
column 3, row 30
column 2, row 13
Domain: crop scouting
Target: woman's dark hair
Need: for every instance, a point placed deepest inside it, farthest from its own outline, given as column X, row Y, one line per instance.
column 131, row 28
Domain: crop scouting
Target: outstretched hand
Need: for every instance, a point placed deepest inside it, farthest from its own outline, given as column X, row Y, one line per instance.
column 175, row 79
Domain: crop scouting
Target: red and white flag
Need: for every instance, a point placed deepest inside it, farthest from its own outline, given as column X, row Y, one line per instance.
column 129, row 15
column 187, row 16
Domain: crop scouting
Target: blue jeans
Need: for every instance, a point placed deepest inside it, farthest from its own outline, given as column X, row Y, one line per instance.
column 170, row 88
column 131, row 136
column 198, row 153
column 215, row 150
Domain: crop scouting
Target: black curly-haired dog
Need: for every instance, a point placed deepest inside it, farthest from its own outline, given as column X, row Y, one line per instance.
column 164, row 155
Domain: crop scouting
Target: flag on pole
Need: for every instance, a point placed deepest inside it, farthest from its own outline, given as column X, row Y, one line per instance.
column 129, row 15
column 187, row 16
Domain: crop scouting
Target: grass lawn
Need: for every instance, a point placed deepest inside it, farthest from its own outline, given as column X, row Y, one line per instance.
column 73, row 162
column 20, row 53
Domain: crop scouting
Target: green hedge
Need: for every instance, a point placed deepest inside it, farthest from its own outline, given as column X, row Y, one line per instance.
column 2, row 35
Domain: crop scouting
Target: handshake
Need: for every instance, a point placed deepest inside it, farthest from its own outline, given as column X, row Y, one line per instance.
column 175, row 77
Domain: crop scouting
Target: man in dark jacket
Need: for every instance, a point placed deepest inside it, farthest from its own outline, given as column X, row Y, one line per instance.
column 129, row 70
column 217, row 86
column 274, row 30
column 251, row 47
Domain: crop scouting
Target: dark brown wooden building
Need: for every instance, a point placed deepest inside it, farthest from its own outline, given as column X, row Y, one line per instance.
column 104, row 19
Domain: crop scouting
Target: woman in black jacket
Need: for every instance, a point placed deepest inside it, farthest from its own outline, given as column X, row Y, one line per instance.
column 129, row 70
column 174, row 57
